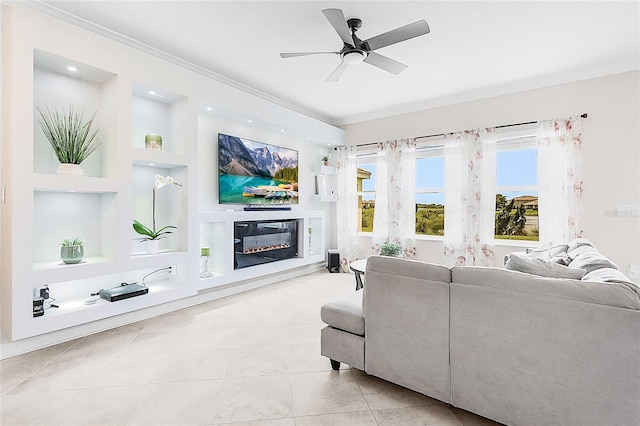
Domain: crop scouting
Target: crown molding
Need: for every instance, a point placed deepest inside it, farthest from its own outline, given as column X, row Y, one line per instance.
column 53, row 11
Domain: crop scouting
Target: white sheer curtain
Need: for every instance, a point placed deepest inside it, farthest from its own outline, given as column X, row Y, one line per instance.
column 394, row 214
column 470, row 180
column 347, row 206
column 560, row 179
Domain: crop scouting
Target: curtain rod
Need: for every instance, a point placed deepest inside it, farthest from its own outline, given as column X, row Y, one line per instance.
column 502, row 126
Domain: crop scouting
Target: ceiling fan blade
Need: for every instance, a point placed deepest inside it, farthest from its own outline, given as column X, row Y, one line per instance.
column 337, row 21
column 335, row 75
column 387, row 64
column 399, row 34
column 292, row 55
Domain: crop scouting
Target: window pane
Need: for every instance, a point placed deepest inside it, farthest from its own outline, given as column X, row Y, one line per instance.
column 517, row 167
column 430, row 214
column 430, row 172
column 517, row 215
column 366, row 207
column 367, row 175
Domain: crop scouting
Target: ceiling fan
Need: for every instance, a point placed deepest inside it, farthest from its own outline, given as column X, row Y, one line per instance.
column 356, row 51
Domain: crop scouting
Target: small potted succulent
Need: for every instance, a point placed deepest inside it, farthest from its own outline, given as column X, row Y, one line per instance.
column 72, row 137
column 325, row 160
column 72, row 250
column 390, row 249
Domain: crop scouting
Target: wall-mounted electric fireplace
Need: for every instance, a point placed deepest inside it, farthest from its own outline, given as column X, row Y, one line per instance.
column 264, row 241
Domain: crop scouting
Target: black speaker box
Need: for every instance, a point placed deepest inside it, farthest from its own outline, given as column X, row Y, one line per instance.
column 333, row 261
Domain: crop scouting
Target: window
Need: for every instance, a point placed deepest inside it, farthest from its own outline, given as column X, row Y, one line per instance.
column 430, row 191
column 517, row 188
column 366, row 192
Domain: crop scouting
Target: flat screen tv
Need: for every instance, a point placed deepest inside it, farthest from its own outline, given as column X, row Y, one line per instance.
column 251, row 172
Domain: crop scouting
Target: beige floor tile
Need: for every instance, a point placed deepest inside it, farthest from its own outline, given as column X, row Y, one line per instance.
column 210, row 339
column 426, row 415
column 471, row 419
column 197, row 365
column 29, row 409
column 179, row 403
column 63, row 374
column 103, row 343
column 102, row 406
column 326, row 393
column 152, row 343
column 252, row 398
column 132, row 370
column 303, row 333
column 289, row 421
column 381, row 394
column 261, row 361
column 251, row 337
column 307, row 359
column 358, row 418
column 17, row 369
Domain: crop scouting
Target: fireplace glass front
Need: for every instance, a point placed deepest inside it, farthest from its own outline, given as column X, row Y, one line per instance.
column 264, row 241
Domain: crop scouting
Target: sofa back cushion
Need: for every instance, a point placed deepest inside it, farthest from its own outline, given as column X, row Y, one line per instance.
column 601, row 293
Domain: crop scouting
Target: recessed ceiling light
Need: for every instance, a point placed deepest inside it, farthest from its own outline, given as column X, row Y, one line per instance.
column 72, row 68
column 209, row 108
column 151, row 92
column 281, row 130
column 329, row 144
column 72, row 190
column 152, row 164
column 249, row 121
column 308, row 138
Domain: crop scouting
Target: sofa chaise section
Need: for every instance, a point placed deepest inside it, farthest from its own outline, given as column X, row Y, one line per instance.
column 343, row 338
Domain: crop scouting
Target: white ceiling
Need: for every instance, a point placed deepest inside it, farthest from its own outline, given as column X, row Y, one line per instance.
column 475, row 49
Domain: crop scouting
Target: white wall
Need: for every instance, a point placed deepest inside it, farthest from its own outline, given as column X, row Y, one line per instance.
column 611, row 148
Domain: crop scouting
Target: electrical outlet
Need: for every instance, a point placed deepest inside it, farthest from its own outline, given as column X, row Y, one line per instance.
column 173, row 270
column 633, row 271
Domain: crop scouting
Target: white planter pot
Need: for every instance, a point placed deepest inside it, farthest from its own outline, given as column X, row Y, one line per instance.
column 70, row 169
column 152, row 246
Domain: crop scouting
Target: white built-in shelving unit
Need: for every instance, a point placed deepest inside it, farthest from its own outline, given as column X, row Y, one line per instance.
column 133, row 94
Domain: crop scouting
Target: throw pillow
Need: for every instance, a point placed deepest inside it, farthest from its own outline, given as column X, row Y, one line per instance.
column 548, row 251
column 610, row 275
column 543, row 268
column 589, row 259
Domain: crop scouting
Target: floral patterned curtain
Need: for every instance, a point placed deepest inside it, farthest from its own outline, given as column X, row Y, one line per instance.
column 470, row 181
column 347, row 206
column 560, row 179
column 394, row 215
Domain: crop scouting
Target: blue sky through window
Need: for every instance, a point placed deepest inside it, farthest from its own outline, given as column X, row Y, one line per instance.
column 514, row 168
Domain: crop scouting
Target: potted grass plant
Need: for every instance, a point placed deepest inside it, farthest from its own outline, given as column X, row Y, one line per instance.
column 390, row 249
column 72, row 137
column 72, row 250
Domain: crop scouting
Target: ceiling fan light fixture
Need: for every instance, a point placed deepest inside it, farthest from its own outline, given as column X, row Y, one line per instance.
column 354, row 57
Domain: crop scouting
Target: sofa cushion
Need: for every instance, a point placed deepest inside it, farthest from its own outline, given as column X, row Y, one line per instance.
column 601, row 293
column 588, row 258
column 345, row 313
column 540, row 267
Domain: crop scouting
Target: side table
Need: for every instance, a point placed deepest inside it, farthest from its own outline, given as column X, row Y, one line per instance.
column 359, row 267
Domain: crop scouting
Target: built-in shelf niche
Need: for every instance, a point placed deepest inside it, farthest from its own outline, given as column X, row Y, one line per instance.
column 216, row 236
column 171, row 206
column 87, row 90
column 59, row 215
column 159, row 111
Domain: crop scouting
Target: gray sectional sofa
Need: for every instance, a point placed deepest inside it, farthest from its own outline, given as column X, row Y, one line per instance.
column 518, row 348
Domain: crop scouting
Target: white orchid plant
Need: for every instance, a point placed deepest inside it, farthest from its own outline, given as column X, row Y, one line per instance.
column 153, row 233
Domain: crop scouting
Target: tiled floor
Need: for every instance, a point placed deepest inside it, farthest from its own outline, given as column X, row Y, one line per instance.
column 250, row 359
